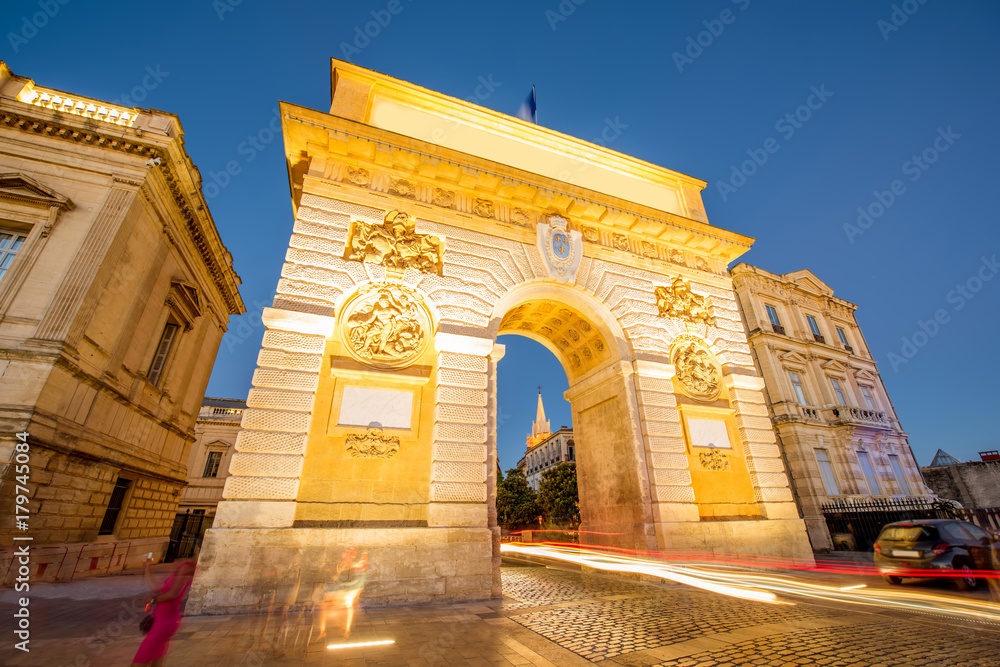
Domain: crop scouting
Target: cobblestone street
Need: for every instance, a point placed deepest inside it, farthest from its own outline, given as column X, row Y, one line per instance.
column 547, row 617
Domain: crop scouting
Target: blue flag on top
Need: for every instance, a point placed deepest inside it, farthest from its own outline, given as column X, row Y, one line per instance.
column 529, row 110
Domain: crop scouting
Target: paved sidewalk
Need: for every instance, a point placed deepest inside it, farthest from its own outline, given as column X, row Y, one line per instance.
column 548, row 617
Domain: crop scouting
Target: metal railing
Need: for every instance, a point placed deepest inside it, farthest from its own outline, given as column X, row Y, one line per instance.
column 855, row 525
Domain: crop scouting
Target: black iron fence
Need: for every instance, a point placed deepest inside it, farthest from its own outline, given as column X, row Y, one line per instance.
column 854, row 526
column 186, row 535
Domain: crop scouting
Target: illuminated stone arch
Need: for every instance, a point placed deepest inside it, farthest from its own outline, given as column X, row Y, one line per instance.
column 424, row 228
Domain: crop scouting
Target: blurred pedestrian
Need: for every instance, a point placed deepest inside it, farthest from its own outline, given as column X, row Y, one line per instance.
column 341, row 595
column 166, row 597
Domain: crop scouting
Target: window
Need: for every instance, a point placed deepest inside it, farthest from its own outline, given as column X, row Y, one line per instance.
column 870, row 479
column 114, row 507
column 10, row 243
column 162, row 350
column 814, row 327
column 826, row 472
column 772, row 315
column 843, row 338
column 838, row 389
column 212, row 464
column 869, row 399
column 800, row 393
column 897, row 470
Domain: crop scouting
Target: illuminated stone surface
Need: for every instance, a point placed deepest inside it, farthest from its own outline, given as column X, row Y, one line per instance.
column 538, row 234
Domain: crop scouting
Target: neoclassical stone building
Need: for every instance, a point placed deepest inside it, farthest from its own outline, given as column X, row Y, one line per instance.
column 115, row 290
column 425, row 227
column 834, row 421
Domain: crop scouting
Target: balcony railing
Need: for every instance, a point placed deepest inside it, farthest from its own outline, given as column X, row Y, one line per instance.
column 849, row 414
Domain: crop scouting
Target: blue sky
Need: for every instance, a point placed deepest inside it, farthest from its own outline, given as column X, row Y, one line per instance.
column 889, row 90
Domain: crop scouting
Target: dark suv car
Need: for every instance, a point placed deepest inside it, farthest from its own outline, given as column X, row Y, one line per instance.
column 905, row 548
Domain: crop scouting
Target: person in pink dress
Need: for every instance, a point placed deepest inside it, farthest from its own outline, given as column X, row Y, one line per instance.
column 167, row 597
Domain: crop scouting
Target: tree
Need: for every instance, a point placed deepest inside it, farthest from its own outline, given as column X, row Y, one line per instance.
column 517, row 502
column 558, row 496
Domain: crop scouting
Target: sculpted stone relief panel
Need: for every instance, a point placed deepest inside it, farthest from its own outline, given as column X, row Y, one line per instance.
column 677, row 301
column 372, row 445
column 714, row 460
column 385, row 325
column 394, row 244
column 698, row 371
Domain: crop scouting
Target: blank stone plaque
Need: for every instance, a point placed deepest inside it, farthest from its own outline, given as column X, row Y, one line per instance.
column 709, row 433
column 378, row 408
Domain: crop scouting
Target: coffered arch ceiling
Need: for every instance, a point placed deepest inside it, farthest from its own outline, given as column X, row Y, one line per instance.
column 576, row 342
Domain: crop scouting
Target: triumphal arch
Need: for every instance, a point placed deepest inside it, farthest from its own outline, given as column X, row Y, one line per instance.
column 424, row 228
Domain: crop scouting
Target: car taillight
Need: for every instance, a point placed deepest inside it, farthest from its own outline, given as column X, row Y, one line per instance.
column 878, row 549
column 940, row 548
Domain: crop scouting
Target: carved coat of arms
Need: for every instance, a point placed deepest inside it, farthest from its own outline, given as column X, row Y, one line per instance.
column 386, row 325
column 560, row 247
column 677, row 301
column 697, row 369
column 394, row 244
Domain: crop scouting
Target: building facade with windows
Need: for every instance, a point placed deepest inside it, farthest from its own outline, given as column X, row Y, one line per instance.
column 545, row 449
column 840, row 435
column 215, row 433
column 115, row 291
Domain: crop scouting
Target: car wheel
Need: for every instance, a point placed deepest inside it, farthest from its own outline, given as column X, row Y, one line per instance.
column 966, row 582
column 892, row 579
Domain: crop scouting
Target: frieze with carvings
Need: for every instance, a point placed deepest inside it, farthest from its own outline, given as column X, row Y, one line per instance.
column 394, row 244
column 714, row 460
column 677, row 301
column 385, row 325
column 696, row 368
column 520, row 217
column 358, row 176
column 402, row 188
column 372, row 445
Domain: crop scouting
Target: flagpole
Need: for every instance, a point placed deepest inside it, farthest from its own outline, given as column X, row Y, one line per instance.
column 535, row 99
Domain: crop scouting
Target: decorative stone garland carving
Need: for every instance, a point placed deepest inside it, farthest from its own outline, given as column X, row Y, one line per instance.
column 372, row 445
column 678, row 302
column 394, row 244
column 697, row 369
column 714, row 460
column 385, row 325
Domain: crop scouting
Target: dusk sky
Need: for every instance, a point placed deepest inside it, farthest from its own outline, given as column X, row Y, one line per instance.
column 689, row 86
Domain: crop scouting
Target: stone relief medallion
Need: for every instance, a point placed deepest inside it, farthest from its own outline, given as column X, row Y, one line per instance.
column 714, row 460
column 443, row 198
column 402, row 188
column 358, row 176
column 483, row 208
column 394, row 244
column 677, row 301
column 385, row 325
column 520, row 217
column 697, row 369
column 560, row 247
column 372, row 445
